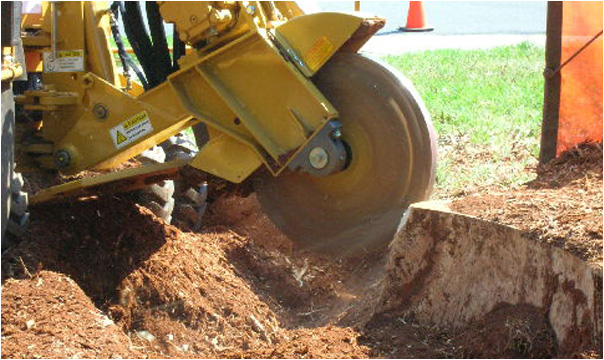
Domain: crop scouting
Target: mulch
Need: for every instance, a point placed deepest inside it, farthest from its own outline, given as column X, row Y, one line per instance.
column 105, row 278
column 561, row 207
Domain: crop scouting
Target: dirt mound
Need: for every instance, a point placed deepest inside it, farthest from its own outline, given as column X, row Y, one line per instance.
column 238, row 289
column 191, row 299
column 572, row 165
column 96, row 242
column 50, row 316
column 222, row 293
column 562, row 207
column 244, row 216
column 186, row 295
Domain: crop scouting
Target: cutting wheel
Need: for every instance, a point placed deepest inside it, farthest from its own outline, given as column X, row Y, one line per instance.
column 392, row 160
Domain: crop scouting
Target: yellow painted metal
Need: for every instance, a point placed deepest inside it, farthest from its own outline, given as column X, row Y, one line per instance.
column 97, row 29
column 110, row 182
column 283, row 114
column 11, row 71
column 220, row 89
column 259, row 106
column 35, row 20
column 40, row 24
column 89, row 140
column 289, row 9
column 135, row 88
column 226, row 157
column 80, row 26
column 198, row 23
column 316, row 37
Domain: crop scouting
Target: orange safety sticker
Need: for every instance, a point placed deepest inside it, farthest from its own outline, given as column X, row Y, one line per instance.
column 319, row 53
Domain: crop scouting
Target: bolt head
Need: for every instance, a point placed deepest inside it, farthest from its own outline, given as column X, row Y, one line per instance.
column 318, row 157
column 62, row 158
column 100, row 111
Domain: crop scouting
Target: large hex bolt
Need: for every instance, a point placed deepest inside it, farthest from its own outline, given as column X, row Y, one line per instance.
column 318, row 157
column 62, row 158
column 100, row 111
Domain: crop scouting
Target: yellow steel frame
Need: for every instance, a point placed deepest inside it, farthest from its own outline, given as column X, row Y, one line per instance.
column 252, row 90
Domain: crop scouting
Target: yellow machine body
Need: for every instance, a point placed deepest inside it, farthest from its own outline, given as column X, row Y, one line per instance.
column 345, row 142
column 249, row 84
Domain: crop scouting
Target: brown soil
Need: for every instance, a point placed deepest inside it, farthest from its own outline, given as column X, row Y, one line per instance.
column 562, row 207
column 50, row 316
column 238, row 289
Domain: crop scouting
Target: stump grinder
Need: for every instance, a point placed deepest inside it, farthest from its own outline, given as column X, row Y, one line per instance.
column 336, row 145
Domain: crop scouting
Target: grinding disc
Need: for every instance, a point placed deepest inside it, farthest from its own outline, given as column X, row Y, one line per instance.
column 392, row 161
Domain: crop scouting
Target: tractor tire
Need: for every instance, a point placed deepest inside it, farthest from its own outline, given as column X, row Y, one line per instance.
column 14, row 200
column 159, row 197
column 191, row 198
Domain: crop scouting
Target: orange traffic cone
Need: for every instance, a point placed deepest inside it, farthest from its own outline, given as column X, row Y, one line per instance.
column 416, row 20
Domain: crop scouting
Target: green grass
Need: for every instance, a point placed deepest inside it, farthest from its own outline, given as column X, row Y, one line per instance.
column 486, row 106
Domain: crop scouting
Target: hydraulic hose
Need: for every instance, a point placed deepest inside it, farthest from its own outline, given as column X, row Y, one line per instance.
column 139, row 39
column 178, row 49
column 152, row 53
column 161, row 60
column 125, row 58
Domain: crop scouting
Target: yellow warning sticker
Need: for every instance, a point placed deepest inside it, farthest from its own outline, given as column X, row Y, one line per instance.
column 319, row 53
column 130, row 130
column 63, row 61
column 120, row 138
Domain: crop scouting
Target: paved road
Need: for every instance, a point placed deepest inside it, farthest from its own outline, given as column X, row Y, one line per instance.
column 457, row 17
column 449, row 17
column 457, row 24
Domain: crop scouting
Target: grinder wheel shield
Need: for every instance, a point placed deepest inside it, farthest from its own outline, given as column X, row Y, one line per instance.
column 392, row 161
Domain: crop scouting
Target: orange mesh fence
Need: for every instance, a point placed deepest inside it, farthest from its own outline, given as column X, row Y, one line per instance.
column 580, row 116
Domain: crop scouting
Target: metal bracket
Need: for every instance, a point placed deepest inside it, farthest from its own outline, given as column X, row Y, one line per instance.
column 324, row 154
column 47, row 99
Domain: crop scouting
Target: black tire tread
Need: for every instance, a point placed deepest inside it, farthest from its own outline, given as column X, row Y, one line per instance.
column 159, row 197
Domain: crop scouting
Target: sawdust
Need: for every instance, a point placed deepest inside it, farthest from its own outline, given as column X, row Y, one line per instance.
column 181, row 294
column 238, row 289
column 50, row 316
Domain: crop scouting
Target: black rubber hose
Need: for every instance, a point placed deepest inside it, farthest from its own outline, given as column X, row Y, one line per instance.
column 138, row 73
column 115, row 31
column 139, row 39
column 125, row 59
column 161, row 58
column 178, row 49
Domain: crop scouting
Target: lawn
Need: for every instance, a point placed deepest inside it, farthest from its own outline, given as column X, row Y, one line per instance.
column 486, row 106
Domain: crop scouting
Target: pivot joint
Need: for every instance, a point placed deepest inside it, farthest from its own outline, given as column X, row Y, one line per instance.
column 324, row 154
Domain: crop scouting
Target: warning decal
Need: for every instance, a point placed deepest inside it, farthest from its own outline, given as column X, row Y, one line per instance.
column 319, row 53
column 64, row 61
column 131, row 130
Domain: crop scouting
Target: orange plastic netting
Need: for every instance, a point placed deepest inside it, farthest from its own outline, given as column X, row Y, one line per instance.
column 581, row 79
